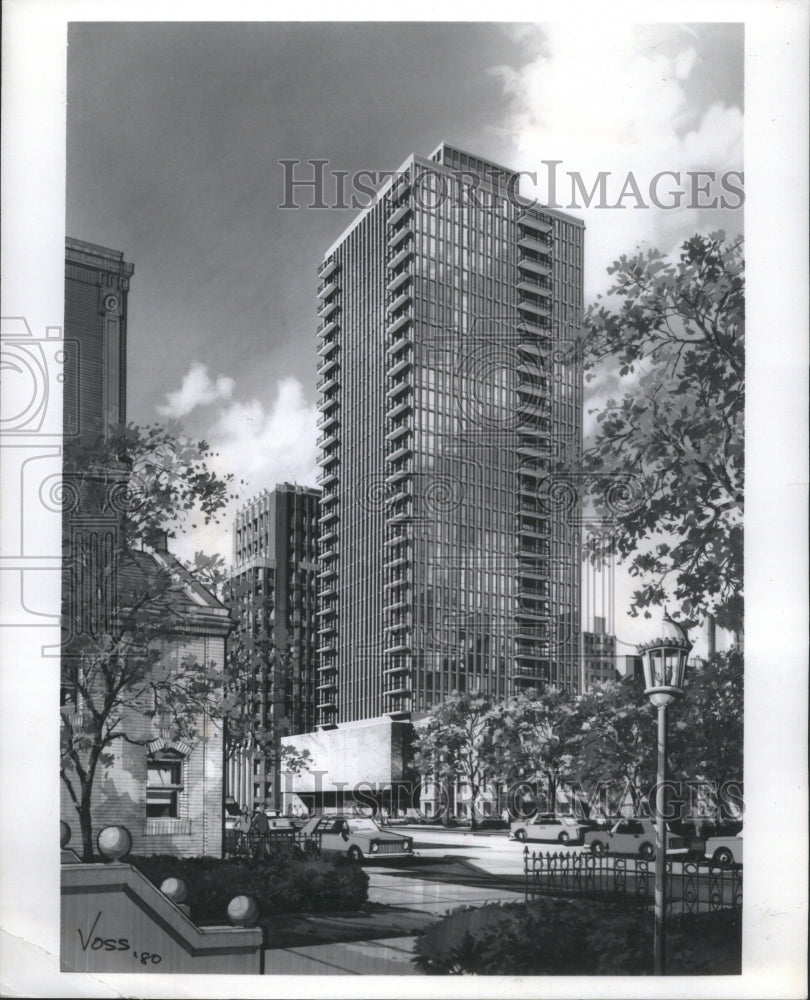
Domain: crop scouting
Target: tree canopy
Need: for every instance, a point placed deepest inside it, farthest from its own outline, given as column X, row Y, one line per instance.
column 669, row 336
column 124, row 607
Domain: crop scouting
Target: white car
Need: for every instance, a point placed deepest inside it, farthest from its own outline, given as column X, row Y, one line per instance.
column 357, row 837
column 547, row 826
column 725, row 851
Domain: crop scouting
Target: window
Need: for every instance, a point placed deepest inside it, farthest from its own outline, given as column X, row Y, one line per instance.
column 164, row 784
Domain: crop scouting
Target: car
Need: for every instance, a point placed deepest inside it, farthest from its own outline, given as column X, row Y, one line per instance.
column 725, row 851
column 547, row 826
column 359, row 838
column 631, row 836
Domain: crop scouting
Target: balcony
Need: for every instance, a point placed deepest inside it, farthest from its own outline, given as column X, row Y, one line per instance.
column 533, row 349
column 327, row 289
column 328, row 648
column 327, row 574
column 398, row 281
column 328, row 327
column 327, row 269
column 327, row 536
column 397, row 627
column 326, row 421
column 328, row 517
column 397, row 410
column 400, row 188
column 327, row 478
column 328, row 403
column 400, row 366
column 328, row 365
column 399, row 561
column 325, row 441
column 326, row 460
column 398, row 647
column 395, row 477
column 401, row 300
column 398, row 215
column 327, row 384
column 533, row 244
column 400, row 344
column 534, row 267
column 534, row 288
column 323, row 612
column 400, row 257
column 398, row 431
column 529, row 221
column 397, row 389
column 535, row 308
column 398, row 324
column 327, row 309
column 399, row 237
column 327, row 629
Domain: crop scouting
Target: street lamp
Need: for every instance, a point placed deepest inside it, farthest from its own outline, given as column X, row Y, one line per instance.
column 664, row 661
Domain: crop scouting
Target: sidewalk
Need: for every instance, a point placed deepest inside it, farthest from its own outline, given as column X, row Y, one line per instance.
column 380, row 939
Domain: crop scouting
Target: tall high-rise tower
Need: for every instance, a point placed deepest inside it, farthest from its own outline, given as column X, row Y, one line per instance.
column 451, row 398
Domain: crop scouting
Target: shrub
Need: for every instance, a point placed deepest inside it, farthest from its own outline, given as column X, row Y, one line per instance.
column 278, row 885
column 574, row 937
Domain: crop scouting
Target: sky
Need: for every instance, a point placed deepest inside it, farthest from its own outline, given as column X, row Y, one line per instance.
column 174, row 136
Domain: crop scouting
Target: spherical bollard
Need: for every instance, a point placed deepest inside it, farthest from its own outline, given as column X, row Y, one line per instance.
column 243, row 911
column 114, row 842
column 64, row 833
column 174, row 889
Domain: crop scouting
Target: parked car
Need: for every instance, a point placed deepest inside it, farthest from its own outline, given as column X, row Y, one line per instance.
column 548, row 826
column 631, row 836
column 725, row 851
column 357, row 837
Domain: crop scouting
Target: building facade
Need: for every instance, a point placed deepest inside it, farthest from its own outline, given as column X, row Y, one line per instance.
column 96, row 291
column 272, row 594
column 599, row 663
column 450, row 398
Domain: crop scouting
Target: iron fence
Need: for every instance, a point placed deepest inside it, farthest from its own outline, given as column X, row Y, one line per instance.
column 691, row 886
column 273, row 844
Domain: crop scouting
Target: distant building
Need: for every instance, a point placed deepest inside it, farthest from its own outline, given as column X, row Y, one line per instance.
column 95, row 369
column 598, row 656
column 272, row 593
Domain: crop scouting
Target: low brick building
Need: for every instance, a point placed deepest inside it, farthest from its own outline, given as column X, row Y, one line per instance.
column 166, row 791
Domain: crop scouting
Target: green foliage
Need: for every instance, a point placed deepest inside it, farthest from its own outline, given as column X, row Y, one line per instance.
column 618, row 741
column 122, row 609
column 706, row 735
column 281, row 885
column 455, row 741
column 537, row 736
column 674, row 329
column 574, row 937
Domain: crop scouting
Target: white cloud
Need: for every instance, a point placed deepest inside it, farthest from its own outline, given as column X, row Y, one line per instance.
column 263, row 445
column 196, row 389
column 599, row 98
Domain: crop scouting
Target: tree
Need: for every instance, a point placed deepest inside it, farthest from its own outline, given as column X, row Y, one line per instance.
column 707, row 742
column 618, row 744
column 537, row 736
column 124, row 608
column 253, row 664
column 455, row 743
column 676, row 335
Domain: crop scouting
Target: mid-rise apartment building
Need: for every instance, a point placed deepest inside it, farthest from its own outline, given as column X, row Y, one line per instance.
column 272, row 595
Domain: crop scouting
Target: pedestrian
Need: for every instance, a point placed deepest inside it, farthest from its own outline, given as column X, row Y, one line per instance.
column 243, row 821
column 505, row 815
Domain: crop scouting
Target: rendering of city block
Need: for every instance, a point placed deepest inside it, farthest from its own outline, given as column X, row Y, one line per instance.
column 403, row 404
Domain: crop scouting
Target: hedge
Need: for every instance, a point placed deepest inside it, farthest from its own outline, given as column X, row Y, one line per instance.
column 278, row 885
column 576, row 937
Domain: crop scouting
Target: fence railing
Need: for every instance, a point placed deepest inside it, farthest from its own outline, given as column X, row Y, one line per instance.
column 274, row 843
column 692, row 887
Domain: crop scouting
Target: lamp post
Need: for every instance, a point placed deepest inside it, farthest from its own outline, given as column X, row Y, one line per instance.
column 664, row 661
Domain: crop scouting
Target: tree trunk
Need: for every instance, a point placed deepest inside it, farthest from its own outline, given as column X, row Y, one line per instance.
column 86, row 826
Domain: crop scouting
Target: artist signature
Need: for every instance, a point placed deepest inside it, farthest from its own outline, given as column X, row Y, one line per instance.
column 96, row 943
